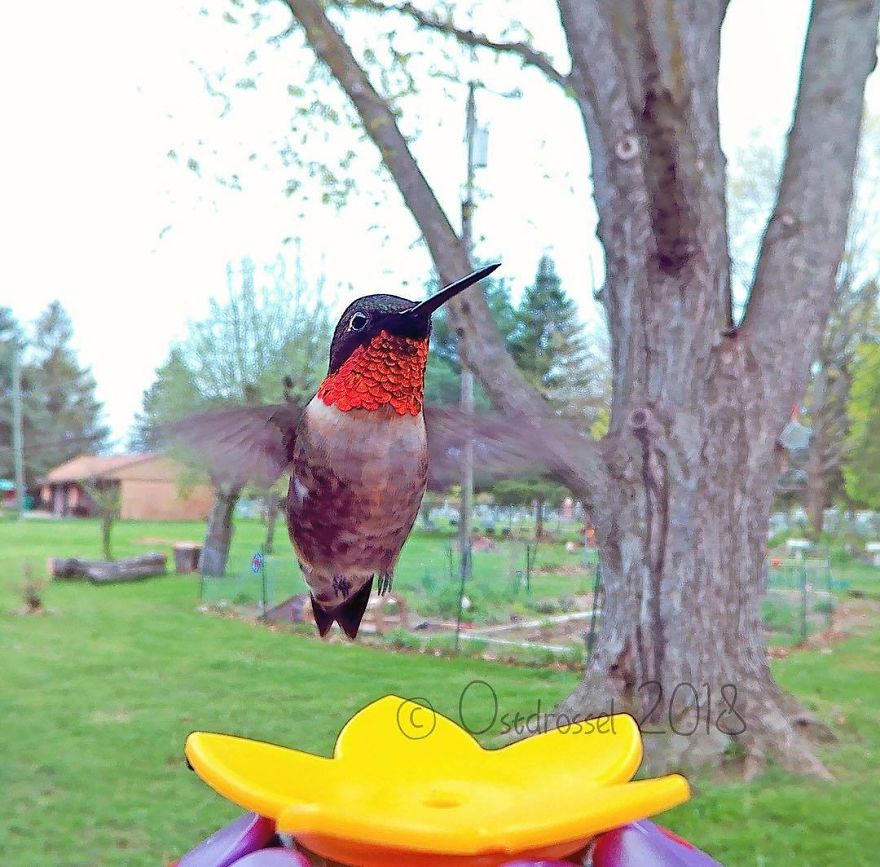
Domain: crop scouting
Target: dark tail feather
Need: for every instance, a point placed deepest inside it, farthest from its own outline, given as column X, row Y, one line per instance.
column 323, row 618
column 348, row 615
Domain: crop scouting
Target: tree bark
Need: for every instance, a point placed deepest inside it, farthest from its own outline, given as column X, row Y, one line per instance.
column 215, row 552
column 271, row 521
column 539, row 519
column 817, row 485
column 106, row 531
column 681, row 490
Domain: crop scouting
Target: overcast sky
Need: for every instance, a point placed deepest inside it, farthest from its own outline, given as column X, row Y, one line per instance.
column 96, row 214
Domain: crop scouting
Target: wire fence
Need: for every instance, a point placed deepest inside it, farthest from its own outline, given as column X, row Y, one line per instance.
column 515, row 581
column 800, row 598
column 267, row 581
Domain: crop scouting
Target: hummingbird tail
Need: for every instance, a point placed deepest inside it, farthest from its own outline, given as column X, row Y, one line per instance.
column 323, row 618
column 348, row 615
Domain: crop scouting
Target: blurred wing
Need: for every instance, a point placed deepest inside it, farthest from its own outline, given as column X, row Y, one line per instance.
column 238, row 445
column 505, row 446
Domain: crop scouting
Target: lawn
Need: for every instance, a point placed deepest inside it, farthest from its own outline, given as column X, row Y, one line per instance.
column 98, row 697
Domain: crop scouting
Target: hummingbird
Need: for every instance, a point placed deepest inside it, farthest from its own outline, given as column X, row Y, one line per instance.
column 357, row 453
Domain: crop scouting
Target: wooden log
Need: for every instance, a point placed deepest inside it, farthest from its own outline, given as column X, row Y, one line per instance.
column 133, row 569
column 186, row 557
column 104, row 572
column 70, row 568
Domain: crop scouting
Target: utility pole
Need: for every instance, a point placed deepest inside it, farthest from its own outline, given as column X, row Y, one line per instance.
column 465, row 524
column 17, row 445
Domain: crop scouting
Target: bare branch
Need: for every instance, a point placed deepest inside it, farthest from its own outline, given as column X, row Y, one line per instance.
column 804, row 240
column 482, row 346
column 529, row 55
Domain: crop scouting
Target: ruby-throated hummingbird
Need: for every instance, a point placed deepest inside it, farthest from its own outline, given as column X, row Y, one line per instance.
column 357, row 453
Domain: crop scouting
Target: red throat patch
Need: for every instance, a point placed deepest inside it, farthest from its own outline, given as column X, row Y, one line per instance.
column 389, row 371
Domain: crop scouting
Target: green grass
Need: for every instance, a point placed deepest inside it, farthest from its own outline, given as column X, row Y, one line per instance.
column 97, row 698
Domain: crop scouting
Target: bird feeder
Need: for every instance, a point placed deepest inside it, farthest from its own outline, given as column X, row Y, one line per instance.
column 408, row 787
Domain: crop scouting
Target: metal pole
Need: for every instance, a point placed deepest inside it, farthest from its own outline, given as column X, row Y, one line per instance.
column 17, row 444
column 465, row 526
column 803, row 601
column 265, row 588
column 830, row 582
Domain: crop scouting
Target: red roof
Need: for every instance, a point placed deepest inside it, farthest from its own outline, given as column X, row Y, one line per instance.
column 84, row 467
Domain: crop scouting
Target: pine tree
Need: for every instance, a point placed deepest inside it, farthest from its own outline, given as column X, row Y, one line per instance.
column 11, row 340
column 169, row 396
column 60, row 401
column 442, row 384
column 550, row 346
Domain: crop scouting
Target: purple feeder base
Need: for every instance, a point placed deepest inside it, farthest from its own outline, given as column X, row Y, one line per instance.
column 644, row 844
column 274, row 857
column 246, row 834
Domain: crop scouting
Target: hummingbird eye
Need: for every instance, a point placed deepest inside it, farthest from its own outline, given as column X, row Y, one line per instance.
column 358, row 322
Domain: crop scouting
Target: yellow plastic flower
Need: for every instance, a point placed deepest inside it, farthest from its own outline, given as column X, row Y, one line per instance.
column 409, row 788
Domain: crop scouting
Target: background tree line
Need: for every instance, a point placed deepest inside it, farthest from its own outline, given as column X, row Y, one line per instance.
column 61, row 416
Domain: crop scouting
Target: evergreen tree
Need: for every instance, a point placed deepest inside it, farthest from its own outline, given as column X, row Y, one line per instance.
column 61, row 408
column 165, row 400
column 550, row 347
column 442, row 384
column 11, row 340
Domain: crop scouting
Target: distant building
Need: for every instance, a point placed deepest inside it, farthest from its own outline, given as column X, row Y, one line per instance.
column 7, row 492
column 148, row 488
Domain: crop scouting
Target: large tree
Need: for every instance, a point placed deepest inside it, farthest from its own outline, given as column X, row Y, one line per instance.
column 60, row 415
column 680, row 489
column 11, row 342
column 753, row 179
column 60, row 397
column 262, row 343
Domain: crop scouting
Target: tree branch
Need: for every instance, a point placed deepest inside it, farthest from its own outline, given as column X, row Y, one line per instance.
column 482, row 346
column 804, row 239
column 529, row 55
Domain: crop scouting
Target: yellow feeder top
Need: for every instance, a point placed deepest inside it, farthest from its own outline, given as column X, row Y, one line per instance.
column 407, row 786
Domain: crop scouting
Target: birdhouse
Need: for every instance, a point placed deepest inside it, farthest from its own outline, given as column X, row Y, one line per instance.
column 795, row 437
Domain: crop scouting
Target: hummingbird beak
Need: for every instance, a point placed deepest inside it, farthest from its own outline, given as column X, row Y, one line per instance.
column 426, row 308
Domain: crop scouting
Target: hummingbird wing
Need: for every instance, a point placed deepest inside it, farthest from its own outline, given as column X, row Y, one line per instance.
column 239, row 445
column 254, row 444
column 505, row 446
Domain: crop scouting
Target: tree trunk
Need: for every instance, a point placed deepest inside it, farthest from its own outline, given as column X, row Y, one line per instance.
column 539, row 519
column 215, row 552
column 681, row 645
column 106, row 530
column 817, row 486
column 271, row 520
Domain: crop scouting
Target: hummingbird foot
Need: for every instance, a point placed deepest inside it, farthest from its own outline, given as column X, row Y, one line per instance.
column 385, row 582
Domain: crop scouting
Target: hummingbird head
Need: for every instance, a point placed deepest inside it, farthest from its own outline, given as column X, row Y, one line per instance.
column 380, row 348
